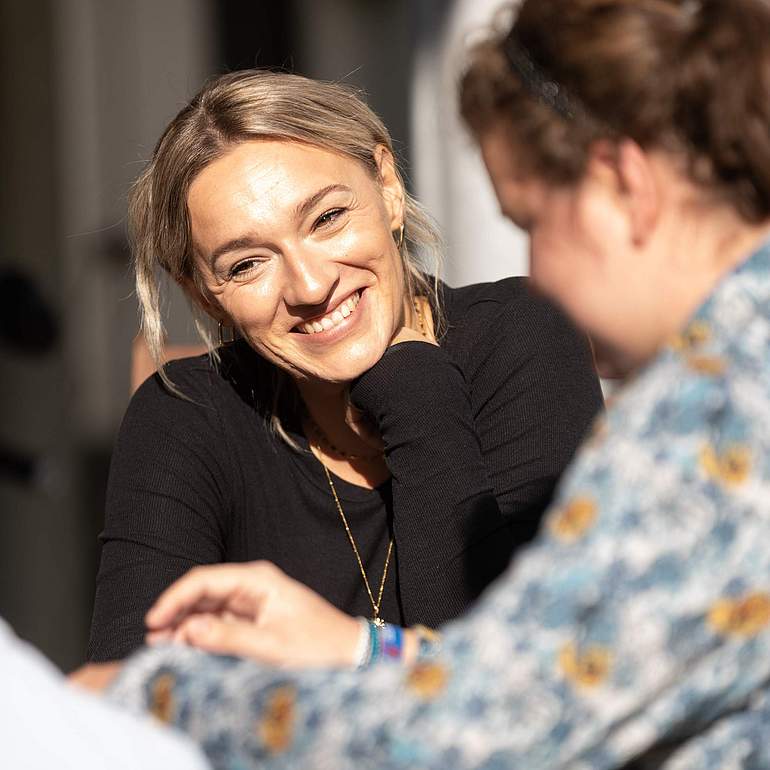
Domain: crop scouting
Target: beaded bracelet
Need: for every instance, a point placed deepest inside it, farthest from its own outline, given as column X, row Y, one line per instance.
column 362, row 654
column 375, row 642
column 392, row 642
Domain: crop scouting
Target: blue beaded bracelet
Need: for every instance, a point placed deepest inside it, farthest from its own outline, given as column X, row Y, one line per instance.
column 392, row 639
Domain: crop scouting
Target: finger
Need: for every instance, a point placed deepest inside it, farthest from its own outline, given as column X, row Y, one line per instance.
column 213, row 634
column 153, row 638
column 207, row 588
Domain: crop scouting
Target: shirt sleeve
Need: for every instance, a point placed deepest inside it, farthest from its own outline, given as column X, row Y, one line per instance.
column 167, row 503
column 451, row 538
column 613, row 633
column 476, row 440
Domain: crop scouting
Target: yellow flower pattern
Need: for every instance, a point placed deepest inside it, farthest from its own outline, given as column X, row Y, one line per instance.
column 162, row 702
column 696, row 334
column 574, row 519
column 276, row 727
column 741, row 617
column 711, row 366
column 586, row 668
column 427, row 680
column 729, row 468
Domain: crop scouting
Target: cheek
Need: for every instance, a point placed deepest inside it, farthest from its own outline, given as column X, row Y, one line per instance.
column 551, row 263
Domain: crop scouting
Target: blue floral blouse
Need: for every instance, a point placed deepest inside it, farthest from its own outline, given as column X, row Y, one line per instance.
column 635, row 631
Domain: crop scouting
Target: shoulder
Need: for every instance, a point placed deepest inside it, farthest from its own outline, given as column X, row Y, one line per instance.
column 200, row 394
column 188, row 389
column 693, row 431
column 511, row 319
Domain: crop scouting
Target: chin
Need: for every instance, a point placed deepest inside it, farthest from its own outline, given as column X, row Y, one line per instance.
column 343, row 368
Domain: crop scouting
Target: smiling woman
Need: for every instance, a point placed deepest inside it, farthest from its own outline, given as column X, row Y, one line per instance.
column 383, row 439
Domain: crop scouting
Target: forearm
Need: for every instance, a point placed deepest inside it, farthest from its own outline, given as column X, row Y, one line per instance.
column 444, row 506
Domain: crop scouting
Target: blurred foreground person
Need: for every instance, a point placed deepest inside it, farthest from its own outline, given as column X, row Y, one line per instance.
column 632, row 141
column 47, row 724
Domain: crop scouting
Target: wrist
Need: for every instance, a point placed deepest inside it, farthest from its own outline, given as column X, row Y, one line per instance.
column 392, row 643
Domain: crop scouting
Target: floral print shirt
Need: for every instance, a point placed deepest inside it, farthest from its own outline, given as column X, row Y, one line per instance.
column 635, row 632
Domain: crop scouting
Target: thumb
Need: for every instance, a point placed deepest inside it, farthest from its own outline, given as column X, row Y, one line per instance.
column 225, row 637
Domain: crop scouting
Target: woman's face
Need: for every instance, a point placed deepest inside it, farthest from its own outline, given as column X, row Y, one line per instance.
column 581, row 256
column 295, row 246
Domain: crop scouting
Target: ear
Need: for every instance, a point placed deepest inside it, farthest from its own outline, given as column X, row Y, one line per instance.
column 392, row 189
column 627, row 168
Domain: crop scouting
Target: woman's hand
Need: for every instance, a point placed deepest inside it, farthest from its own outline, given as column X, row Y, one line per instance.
column 254, row 610
column 418, row 327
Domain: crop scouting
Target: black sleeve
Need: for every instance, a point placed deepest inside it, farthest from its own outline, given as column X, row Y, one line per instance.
column 445, row 514
column 167, row 498
column 535, row 395
column 476, row 450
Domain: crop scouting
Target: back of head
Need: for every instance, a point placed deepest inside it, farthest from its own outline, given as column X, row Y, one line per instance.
column 687, row 76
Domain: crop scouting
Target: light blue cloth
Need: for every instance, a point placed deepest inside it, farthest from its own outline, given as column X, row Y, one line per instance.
column 45, row 724
column 637, row 625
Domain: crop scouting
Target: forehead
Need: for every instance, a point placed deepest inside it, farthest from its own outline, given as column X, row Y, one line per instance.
column 518, row 192
column 265, row 178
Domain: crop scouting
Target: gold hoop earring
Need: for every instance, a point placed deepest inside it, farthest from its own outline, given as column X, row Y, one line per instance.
column 400, row 240
column 220, row 330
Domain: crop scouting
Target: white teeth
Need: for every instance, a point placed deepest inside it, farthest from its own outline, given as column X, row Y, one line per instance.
column 342, row 312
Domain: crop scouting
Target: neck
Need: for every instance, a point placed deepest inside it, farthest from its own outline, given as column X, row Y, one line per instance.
column 697, row 257
column 703, row 261
column 338, row 434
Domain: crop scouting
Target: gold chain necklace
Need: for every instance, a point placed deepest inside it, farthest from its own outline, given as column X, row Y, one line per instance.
column 375, row 604
column 323, row 439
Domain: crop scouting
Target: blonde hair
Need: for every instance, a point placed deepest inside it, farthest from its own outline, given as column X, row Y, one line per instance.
column 234, row 108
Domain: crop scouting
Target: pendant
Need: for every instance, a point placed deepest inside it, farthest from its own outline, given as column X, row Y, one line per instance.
column 378, row 621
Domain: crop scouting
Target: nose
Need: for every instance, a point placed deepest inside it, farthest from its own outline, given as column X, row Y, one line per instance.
column 310, row 278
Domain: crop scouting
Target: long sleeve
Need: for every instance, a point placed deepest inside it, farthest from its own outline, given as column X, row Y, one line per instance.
column 445, row 511
column 476, row 436
column 167, row 499
column 639, row 618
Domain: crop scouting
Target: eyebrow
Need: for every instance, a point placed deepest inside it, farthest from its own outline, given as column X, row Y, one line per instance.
column 302, row 210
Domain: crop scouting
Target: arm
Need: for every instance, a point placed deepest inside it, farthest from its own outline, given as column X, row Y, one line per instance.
column 476, row 439
column 603, row 639
column 167, row 506
column 442, row 500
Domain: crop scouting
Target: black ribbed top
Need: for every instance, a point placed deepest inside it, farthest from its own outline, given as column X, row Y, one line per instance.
column 476, row 431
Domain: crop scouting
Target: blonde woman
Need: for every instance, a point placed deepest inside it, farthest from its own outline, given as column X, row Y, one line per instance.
column 383, row 439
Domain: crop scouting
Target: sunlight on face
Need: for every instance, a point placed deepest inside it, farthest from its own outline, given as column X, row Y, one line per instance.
column 295, row 245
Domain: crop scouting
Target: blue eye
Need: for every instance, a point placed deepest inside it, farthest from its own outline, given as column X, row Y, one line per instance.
column 328, row 217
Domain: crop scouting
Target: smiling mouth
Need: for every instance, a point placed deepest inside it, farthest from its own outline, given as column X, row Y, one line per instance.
column 326, row 322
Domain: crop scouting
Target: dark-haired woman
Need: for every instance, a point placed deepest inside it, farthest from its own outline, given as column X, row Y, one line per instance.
column 632, row 140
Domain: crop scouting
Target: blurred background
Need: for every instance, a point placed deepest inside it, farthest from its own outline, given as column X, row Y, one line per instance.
column 86, row 87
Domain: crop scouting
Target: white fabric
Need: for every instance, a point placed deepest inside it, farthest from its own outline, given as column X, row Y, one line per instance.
column 449, row 175
column 45, row 724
